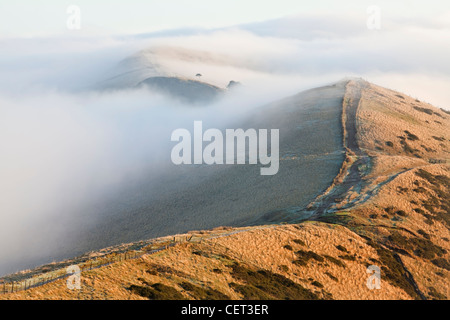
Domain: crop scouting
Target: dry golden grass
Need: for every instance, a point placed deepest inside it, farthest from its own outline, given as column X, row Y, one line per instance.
column 262, row 248
column 386, row 116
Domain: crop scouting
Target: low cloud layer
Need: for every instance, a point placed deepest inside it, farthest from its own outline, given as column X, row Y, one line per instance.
column 65, row 144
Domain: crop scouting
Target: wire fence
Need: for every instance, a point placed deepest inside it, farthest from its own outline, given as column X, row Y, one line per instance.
column 91, row 264
column 147, row 248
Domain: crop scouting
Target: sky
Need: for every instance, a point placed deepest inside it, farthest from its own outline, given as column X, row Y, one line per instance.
column 30, row 18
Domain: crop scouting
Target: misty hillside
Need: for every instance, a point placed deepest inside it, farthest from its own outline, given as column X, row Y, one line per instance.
column 186, row 90
column 182, row 198
column 383, row 202
column 173, row 71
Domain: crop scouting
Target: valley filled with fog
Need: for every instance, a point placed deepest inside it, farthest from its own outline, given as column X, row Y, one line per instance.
column 85, row 144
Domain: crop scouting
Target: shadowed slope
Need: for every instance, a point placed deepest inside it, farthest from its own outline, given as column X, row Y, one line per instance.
column 186, row 90
column 190, row 197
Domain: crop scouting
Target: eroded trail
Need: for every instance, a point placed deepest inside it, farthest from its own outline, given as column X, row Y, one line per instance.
column 354, row 167
column 356, row 163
